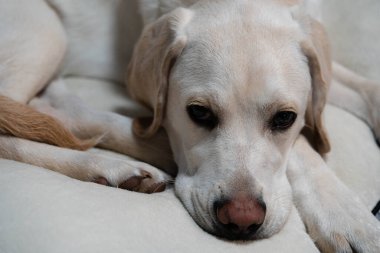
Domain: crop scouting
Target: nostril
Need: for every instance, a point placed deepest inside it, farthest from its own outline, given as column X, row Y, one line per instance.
column 232, row 227
column 253, row 228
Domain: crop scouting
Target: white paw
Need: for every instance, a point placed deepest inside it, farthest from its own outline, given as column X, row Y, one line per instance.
column 344, row 227
column 133, row 176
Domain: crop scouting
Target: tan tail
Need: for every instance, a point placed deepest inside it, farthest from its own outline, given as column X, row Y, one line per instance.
column 24, row 122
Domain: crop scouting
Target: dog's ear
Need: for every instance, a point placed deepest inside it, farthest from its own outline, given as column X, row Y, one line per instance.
column 154, row 55
column 316, row 49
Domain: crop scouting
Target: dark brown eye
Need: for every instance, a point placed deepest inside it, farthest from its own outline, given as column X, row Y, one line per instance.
column 202, row 116
column 283, row 120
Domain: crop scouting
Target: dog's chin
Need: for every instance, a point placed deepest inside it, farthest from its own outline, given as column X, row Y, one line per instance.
column 277, row 213
column 272, row 225
column 267, row 230
column 221, row 233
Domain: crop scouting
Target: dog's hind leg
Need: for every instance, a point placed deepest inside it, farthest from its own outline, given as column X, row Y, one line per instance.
column 356, row 95
column 85, row 165
column 32, row 46
column 115, row 129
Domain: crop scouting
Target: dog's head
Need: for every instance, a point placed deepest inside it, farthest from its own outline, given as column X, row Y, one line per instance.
column 233, row 83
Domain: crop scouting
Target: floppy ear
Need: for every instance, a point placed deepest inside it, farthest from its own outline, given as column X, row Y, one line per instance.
column 316, row 49
column 153, row 57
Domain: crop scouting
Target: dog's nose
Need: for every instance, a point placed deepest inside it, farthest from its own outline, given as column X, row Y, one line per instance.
column 241, row 216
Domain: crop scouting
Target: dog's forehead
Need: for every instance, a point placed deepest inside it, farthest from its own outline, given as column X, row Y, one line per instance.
column 225, row 17
column 243, row 53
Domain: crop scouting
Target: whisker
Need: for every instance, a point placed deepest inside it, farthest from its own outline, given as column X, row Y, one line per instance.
column 169, row 181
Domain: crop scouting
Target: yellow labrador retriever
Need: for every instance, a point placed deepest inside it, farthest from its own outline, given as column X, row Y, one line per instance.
column 231, row 83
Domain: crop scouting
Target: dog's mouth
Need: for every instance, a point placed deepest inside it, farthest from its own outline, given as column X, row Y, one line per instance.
column 232, row 232
column 225, row 226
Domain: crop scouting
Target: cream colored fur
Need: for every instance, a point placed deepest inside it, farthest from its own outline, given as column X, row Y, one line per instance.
column 230, row 62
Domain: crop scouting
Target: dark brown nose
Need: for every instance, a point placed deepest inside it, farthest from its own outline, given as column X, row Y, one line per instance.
column 241, row 216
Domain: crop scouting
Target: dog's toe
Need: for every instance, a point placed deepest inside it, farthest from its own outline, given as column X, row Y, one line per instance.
column 132, row 184
column 102, row 181
column 132, row 176
column 145, row 183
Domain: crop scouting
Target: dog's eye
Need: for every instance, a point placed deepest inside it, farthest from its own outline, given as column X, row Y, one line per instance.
column 202, row 116
column 283, row 120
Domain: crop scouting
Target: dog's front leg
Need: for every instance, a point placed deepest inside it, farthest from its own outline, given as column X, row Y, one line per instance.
column 85, row 166
column 115, row 129
column 334, row 216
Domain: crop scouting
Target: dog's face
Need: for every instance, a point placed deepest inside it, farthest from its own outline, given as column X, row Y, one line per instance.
column 239, row 91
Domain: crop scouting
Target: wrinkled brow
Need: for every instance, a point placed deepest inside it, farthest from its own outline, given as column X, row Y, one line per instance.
column 271, row 108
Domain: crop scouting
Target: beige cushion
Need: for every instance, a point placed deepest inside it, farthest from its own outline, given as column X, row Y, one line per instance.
column 42, row 211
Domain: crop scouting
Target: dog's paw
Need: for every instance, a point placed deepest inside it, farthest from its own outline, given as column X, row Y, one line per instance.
column 346, row 228
column 134, row 176
column 351, row 237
